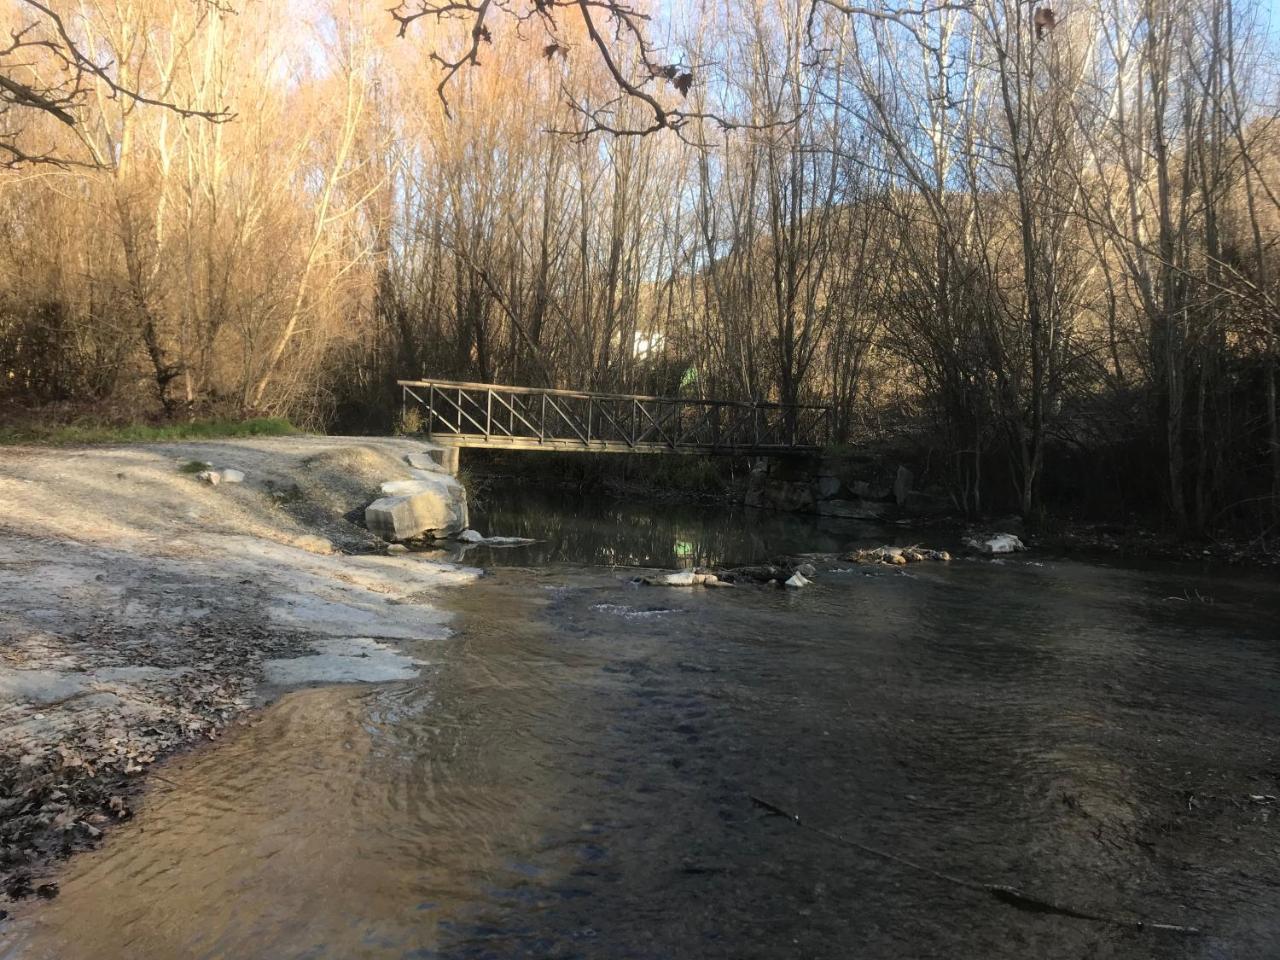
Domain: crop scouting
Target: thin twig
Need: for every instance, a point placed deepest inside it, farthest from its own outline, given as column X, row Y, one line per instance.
column 1005, row 894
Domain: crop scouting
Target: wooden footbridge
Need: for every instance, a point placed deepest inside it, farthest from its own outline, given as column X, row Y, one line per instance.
column 493, row 417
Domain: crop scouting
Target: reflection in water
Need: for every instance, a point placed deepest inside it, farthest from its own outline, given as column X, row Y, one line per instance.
column 627, row 533
column 569, row 777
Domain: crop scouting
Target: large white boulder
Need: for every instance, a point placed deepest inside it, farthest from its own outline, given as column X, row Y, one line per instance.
column 411, row 508
column 343, row 660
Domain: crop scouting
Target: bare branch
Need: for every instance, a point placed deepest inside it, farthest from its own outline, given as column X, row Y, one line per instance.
column 66, row 96
column 627, row 37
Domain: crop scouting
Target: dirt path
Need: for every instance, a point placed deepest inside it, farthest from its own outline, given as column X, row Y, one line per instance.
column 141, row 609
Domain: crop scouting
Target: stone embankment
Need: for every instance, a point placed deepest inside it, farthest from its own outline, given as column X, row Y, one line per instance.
column 841, row 488
column 144, row 603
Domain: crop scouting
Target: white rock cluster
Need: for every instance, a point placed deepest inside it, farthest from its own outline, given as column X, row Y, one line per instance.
column 685, row 578
column 897, row 556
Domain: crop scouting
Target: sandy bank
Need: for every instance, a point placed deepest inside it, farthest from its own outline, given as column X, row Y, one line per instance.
column 140, row 609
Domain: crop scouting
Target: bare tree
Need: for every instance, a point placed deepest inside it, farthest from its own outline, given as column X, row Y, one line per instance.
column 50, row 68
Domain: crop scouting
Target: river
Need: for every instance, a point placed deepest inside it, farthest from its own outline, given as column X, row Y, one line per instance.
column 571, row 774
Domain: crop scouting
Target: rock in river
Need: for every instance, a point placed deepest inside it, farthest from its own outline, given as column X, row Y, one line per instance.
column 897, row 556
column 475, row 537
column 683, row 578
column 995, row 544
column 435, row 503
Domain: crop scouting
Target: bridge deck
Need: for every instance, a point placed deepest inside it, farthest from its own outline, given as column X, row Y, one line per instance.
column 495, row 417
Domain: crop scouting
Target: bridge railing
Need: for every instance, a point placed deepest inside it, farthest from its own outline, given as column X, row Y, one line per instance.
column 485, row 414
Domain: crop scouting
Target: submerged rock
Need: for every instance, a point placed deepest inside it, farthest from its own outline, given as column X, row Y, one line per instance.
column 476, row 537
column 342, row 660
column 775, row 573
column 759, row 574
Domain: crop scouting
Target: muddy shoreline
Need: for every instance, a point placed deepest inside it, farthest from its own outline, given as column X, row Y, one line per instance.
column 143, row 612
column 62, row 790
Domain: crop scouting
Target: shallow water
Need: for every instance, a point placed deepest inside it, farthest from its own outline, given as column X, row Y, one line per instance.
column 570, row 777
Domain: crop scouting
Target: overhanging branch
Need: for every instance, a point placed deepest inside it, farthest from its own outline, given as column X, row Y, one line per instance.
column 25, row 93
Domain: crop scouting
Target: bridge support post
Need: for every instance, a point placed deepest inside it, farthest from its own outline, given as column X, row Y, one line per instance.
column 449, row 458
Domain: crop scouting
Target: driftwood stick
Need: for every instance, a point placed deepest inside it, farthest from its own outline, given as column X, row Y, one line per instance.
column 1005, row 894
